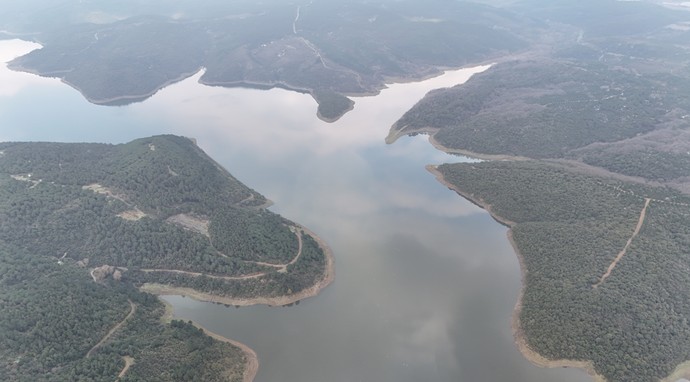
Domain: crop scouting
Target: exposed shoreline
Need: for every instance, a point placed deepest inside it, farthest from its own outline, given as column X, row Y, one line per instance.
column 252, row 364
column 111, row 101
column 374, row 88
column 394, row 135
column 328, row 278
column 252, row 360
column 440, row 70
column 500, row 157
column 521, row 339
column 682, row 371
column 518, row 334
column 334, row 119
column 133, row 98
column 476, row 201
column 570, row 164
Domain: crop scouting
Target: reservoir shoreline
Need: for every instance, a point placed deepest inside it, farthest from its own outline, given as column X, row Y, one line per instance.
column 327, row 279
column 518, row 333
column 251, row 366
column 252, row 363
column 111, row 101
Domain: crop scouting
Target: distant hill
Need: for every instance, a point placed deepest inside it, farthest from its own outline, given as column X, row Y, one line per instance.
column 601, row 115
column 605, row 94
column 124, row 54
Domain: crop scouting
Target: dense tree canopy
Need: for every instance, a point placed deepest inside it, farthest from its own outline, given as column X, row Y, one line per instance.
column 569, row 227
column 82, row 225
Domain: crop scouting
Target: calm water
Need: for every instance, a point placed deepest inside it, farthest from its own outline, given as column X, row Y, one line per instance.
column 425, row 282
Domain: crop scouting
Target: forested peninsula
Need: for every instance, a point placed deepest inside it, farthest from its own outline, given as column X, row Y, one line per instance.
column 587, row 161
column 84, row 227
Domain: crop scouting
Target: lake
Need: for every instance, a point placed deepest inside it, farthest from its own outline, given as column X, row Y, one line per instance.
column 425, row 281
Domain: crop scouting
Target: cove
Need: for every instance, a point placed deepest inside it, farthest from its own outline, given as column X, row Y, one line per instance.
column 425, row 281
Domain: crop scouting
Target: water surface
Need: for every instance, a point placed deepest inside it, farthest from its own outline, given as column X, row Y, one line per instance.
column 425, row 281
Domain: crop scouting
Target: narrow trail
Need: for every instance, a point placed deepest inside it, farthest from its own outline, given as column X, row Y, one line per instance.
column 251, row 198
column 327, row 279
column 316, row 52
column 129, row 361
column 132, row 310
column 282, row 268
column 198, row 274
column 99, row 189
column 248, row 199
column 618, row 258
column 305, row 41
column 294, row 23
column 620, row 190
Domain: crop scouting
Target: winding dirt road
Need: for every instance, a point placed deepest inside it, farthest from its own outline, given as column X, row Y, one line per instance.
column 618, row 258
column 132, row 310
column 129, row 361
column 282, row 268
column 198, row 274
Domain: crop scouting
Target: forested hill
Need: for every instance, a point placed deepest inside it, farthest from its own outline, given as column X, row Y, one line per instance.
column 330, row 49
column 606, row 264
column 83, row 225
column 613, row 95
column 593, row 136
column 53, row 316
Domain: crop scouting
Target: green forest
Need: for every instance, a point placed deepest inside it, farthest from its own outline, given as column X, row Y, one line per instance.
column 83, row 225
column 53, row 314
column 569, row 227
column 592, row 129
column 549, row 109
column 112, row 205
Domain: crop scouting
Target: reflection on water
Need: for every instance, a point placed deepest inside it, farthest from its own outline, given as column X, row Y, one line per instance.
column 425, row 281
